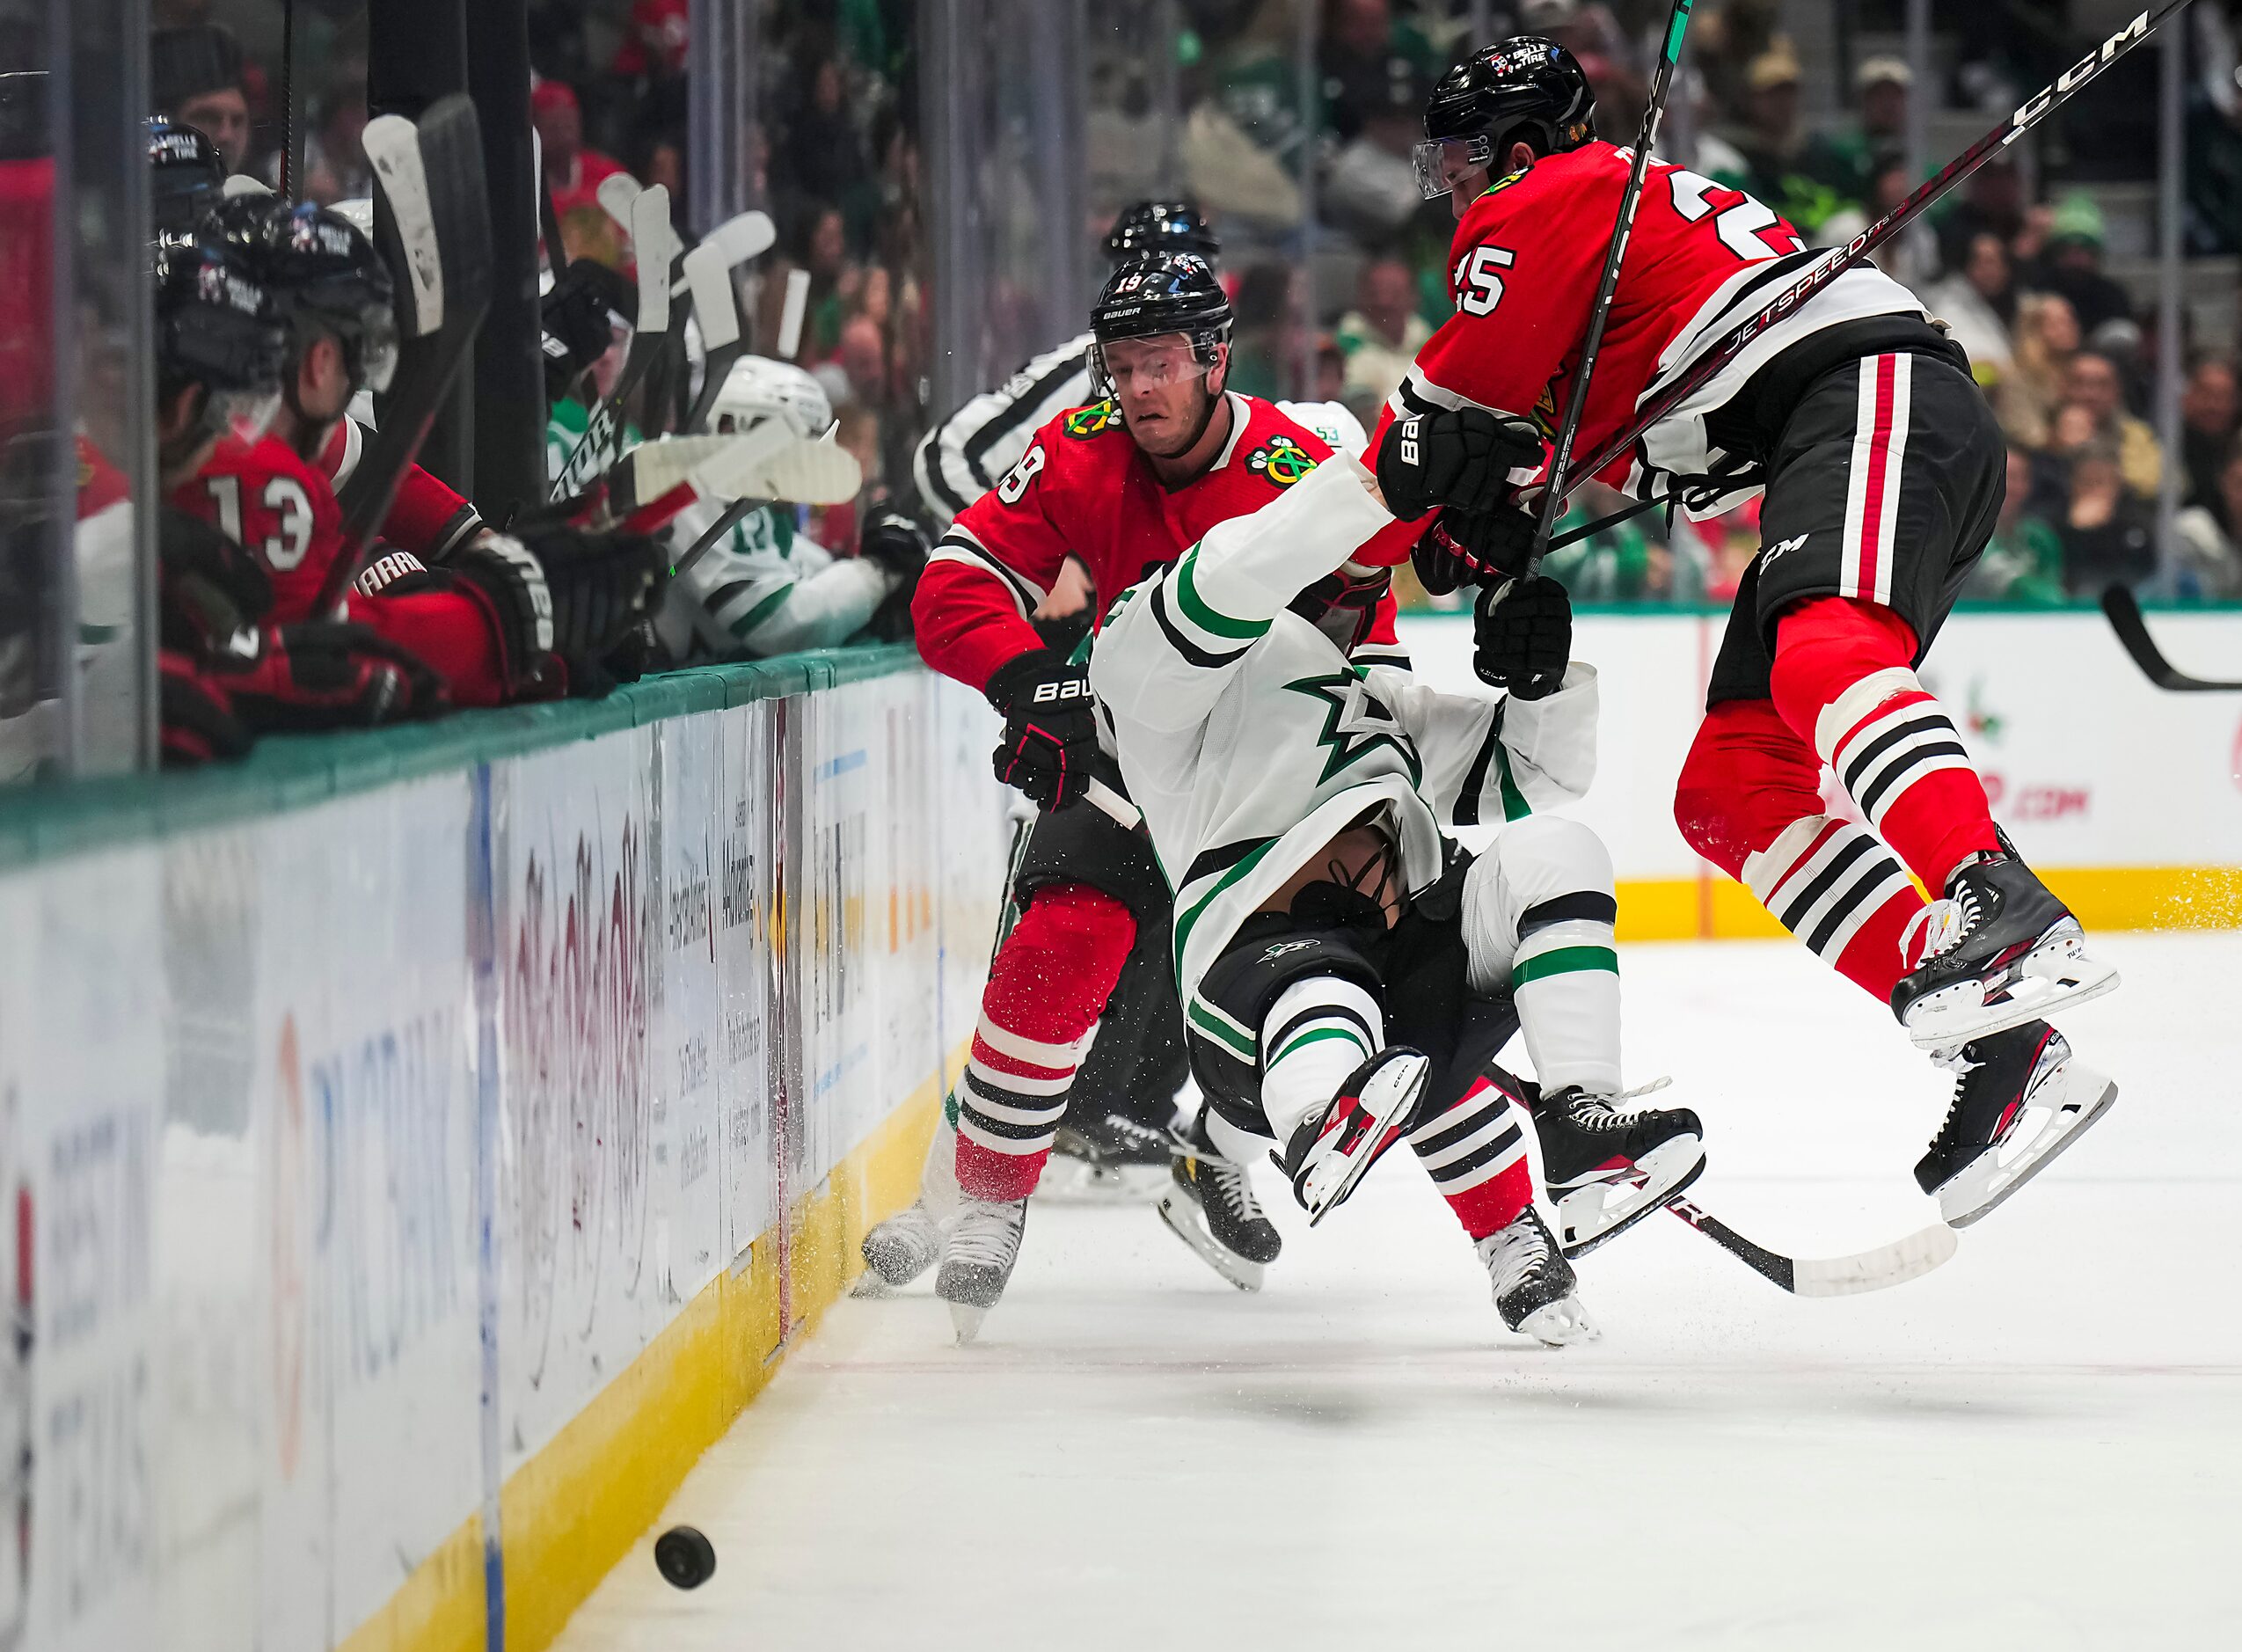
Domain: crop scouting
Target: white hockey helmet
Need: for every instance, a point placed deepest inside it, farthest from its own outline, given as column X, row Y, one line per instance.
column 758, row 388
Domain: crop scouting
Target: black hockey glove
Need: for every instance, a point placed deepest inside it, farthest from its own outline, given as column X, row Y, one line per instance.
column 1464, row 547
column 325, row 675
column 1521, row 637
column 601, row 586
column 1461, row 456
column 1050, row 727
column 197, row 721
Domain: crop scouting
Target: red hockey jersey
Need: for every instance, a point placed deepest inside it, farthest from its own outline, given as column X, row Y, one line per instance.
column 426, row 517
column 1084, row 488
column 1522, row 272
column 281, row 510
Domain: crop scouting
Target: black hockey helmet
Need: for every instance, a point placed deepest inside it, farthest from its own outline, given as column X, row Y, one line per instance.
column 324, row 276
column 216, row 326
column 190, row 176
column 1523, row 88
column 1161, row 226
column 1151, row 297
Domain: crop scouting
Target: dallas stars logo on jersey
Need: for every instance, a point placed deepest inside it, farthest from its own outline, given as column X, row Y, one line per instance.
column 1281, row 459
column 1082, row 422
column 1356, row 722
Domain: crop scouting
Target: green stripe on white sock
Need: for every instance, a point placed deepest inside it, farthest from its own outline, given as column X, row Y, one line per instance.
column 1316, row 1034
column 1563, row 961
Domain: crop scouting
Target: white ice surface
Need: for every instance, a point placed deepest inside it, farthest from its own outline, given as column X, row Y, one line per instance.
column 2038, row 1447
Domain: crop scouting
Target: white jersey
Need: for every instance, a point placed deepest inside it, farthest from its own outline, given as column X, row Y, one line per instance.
column 1249, row 740
column 960, row 459
column 763, row 589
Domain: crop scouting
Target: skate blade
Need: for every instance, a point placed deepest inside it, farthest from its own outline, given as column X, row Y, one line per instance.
column 1078, row 1181
column 1982, row 1185
column 965, row 1322
column 2056, row 975
column 1391, row 1094
column 1185, row 1222
column 1560, row 1324
column 1585, row 1221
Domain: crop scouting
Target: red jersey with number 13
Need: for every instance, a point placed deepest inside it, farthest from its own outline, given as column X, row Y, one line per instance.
column 1522, row 272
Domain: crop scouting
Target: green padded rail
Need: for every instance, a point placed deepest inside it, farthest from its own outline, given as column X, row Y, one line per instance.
column 43, row 822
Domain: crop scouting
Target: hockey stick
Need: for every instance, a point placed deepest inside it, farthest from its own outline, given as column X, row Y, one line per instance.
column 650, row 329
column 1877, row 1269
column 2133, row 630
column 1708, row 363
column 1552, row 498
column 435, row 236
column 708, row 274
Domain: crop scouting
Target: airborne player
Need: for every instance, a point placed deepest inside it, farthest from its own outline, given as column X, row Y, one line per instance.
column 1883, row 471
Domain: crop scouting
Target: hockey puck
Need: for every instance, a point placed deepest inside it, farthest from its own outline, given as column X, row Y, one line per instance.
column 685, row 1559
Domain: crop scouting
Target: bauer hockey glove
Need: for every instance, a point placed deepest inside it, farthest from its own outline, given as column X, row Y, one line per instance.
column 1050, row 727
column 1464, row 547
column 1521, row 637
column 1461, row 456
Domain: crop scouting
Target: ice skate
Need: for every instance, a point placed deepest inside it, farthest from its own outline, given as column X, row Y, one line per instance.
column 898, row 1251
column 1998, row 951
column 978, row 1258
column 1210, row 1205
column 1607, row 1168
column 2019, row 1100
column 1534, row 1285
column 1115, row 1160
column 1333, row 1147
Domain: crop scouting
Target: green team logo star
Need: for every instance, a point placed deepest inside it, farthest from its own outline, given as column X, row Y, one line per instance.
column 1084, row 422
column 1281, row 459
column 1356, row 722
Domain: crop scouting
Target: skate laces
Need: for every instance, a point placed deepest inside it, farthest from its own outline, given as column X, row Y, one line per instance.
column 1230, row 1182
column 1603, row 1111
column 1941, row 926
column 987, row 1235
column 1518, row 1252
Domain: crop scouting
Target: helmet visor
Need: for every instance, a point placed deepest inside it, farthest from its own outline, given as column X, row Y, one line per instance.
column 377, row 349
column 1154, row 363
column 1442, row 161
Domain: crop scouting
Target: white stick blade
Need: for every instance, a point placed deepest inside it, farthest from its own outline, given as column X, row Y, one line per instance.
column 771, row 462
column 789, row 318
column 393, row 151
column 750, row 235
column 660, row 465
column 652, row 245
column 708, row 276
column 617, row 191
column 1878, row 1269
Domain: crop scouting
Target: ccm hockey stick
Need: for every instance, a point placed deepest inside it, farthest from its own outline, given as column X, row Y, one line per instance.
column 1552, row 498
column 1709, row 362
column 650, row 236
column 434, row 232
column 1877, row 1269
column 2133, row 630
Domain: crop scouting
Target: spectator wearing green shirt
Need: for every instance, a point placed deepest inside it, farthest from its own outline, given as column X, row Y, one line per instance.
column 2023, row 562
column 1803, row 175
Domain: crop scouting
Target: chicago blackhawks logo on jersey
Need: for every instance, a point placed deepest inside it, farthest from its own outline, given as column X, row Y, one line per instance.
column 1097, row 418
column 1281, row 459
column 1356, row 722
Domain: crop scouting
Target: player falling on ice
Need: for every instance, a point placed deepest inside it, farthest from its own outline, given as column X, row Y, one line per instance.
column 1124, row 485
column 1349, row 975
column 1883, row 471
column 1116, row 1137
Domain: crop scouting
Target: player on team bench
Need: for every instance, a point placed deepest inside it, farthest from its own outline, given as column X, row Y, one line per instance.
column 1883, row 470
column 1349, row 974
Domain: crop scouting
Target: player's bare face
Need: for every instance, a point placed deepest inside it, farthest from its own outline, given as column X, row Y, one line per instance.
column 1160, row 386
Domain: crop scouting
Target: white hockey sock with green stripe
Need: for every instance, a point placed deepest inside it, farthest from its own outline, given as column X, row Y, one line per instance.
column 1320, row 1030
column 1538, row 912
